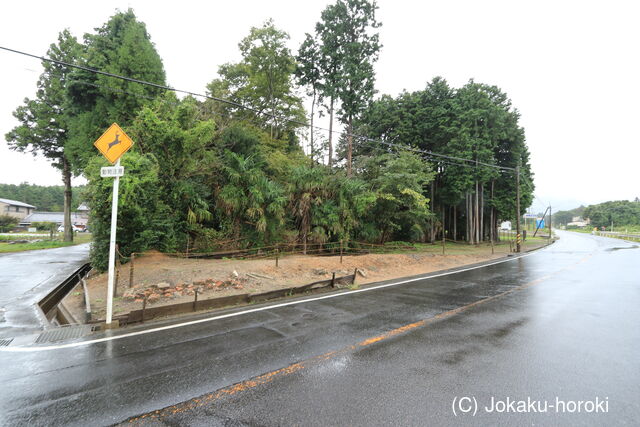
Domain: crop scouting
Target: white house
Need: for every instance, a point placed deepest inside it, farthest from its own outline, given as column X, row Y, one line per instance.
column 15, row 208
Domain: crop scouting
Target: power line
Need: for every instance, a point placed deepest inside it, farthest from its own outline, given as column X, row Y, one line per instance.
column 245, row 107
column 368, row 140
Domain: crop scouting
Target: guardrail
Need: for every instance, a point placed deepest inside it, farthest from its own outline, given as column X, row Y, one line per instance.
column 616, row 235
column 49, row 304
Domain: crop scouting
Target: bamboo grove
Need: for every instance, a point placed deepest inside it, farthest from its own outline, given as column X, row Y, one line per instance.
column 228, row 170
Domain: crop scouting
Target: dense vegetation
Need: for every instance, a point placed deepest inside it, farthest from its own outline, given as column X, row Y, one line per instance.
column 619, row 213
column 48, row 198
column 565, row 217
column 210, row 173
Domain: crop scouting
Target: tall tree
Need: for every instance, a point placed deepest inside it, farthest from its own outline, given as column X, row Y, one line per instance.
column 475, row 122
column 121, row 46
column 45, row 120
column 359, row 47
column 328, row 33
column 309, row 74
column 262, row 80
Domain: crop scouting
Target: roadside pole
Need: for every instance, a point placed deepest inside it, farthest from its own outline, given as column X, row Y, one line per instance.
column 518, row 208
column 112, row 246
column 113, row 144
column 549, row 222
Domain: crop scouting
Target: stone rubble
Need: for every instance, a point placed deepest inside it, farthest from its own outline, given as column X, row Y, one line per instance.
column 164, row 290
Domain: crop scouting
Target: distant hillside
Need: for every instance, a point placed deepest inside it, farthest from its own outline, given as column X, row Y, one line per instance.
column 45, row 198
column 620, row 213
column 564, row 217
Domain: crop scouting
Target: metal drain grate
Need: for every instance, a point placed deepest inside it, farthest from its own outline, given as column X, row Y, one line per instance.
column 5, row 342
column 64, row 333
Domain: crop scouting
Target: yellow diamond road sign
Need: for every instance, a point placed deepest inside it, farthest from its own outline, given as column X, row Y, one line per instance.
column 113, row 143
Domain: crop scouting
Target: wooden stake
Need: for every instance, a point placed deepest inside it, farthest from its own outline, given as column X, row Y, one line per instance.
column 133, row 256
column 115, row 285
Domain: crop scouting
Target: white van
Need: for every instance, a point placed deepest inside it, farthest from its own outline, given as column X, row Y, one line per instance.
column 505, row 226
column 73, row 227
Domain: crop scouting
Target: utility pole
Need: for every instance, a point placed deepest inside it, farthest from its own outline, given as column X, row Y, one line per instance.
column 518, row 208
column 549, row 222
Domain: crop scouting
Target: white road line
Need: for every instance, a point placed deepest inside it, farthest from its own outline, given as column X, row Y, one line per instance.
column 253, row 310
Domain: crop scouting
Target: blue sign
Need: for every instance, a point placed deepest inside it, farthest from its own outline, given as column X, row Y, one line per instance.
column 539, row 223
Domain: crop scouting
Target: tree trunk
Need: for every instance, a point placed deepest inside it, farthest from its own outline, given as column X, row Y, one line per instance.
column 304, row 242
column 468, row 217
column 304, row 224
column 331, row 133
column 349, row 145
column 313, row 104
column 455, row 224
column 470, row 220
column 66, row 178
column 476, row 217
column 482, row 213
column 492, row 219
column 432, row 237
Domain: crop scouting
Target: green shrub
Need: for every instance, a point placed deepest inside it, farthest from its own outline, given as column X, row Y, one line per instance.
column 7, row 222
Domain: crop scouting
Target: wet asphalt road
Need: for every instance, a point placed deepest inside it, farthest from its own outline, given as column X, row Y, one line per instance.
column 560, row 323
column 26, row 277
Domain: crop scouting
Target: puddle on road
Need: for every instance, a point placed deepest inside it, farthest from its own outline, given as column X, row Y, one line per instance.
column 626, row 247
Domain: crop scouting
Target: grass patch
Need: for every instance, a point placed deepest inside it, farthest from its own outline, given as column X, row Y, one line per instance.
column 45, row 244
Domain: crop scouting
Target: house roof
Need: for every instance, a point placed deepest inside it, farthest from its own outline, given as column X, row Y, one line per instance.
column 17, row 203
column 57, row 217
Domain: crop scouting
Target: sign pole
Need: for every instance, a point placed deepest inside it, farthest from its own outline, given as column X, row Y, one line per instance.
column 113, row 143
column 518, row 208
column 112, row 246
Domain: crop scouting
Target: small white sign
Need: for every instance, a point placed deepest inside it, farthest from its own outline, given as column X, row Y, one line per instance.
column 528, row 215
column 112, row 171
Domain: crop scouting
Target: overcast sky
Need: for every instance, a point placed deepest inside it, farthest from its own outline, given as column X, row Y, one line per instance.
column 570, row 67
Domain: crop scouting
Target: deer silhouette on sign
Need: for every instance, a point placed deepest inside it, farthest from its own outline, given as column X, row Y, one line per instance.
column 115, row 141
